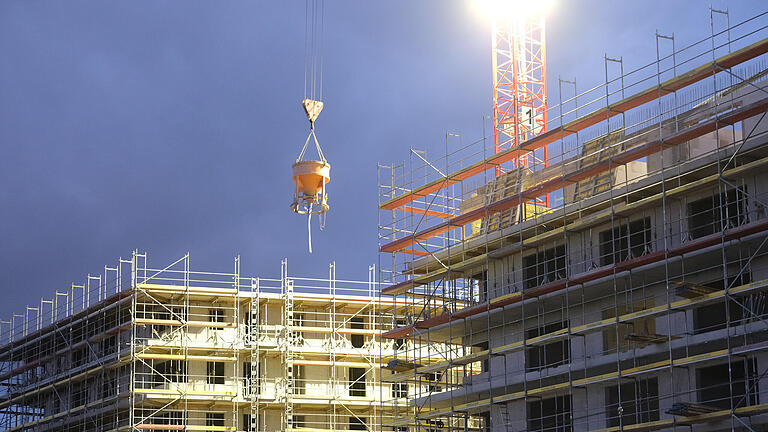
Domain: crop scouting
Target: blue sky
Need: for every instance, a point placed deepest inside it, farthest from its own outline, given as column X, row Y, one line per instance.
column 171, row 126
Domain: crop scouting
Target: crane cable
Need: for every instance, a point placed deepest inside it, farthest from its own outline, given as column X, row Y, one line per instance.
column 313, row 58
column 313, row 83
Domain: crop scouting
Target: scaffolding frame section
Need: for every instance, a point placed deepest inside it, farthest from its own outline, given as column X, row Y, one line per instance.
column 146, row 349
column 637, row 300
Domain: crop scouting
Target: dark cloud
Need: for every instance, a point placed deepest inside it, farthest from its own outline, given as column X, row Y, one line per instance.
column 171, row 126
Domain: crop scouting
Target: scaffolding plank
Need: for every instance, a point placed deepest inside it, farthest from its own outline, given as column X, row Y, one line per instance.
column 399, row 332
column 399, row 288
column 158, row 356
column 415, row 252
column 334, row 363
column 434, row 213
column 180, row 289
column 162, row 427
column 173, row 393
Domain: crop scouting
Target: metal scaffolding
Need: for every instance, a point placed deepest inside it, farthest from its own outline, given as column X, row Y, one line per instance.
column 140, row 348
column 637, row 299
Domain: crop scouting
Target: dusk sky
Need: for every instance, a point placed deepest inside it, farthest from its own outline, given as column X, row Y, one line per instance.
column 171, row 126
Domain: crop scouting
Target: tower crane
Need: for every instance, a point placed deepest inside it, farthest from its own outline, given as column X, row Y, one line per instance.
column 518, row 51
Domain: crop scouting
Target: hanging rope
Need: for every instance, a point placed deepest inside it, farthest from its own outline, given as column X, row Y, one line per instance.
column 309, row 227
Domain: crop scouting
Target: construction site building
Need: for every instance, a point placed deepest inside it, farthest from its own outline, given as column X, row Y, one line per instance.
column 637, row 300
column 170, row 349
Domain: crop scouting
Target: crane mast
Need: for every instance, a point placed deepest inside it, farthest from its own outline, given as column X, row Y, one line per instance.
column 520, row 89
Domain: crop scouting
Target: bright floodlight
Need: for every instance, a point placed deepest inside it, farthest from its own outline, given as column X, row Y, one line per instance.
column 510, row 9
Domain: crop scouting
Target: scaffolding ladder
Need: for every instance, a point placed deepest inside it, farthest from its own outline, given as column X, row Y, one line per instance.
column 503, row 186
column 504, row 416
column 287, row 347
column 592, row 152
column 254, row 387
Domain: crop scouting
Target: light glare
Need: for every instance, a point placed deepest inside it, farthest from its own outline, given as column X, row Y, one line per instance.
column 510, row 9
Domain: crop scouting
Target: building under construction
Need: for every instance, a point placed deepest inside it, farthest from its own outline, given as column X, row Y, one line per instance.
column 618, row 282
column 171, row 349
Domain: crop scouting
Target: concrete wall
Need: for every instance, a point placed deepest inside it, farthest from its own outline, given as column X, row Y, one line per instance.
column 648, row 285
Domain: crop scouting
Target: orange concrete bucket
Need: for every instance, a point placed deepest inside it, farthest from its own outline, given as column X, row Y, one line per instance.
column 310, row 178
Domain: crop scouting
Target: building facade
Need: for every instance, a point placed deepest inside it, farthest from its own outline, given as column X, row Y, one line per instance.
column 639, row 300
column 173, row 349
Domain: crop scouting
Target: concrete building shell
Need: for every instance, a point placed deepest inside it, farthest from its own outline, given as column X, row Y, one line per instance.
column 639, row 300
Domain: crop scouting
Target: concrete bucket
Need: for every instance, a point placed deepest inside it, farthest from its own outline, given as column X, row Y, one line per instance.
column 310, row 177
